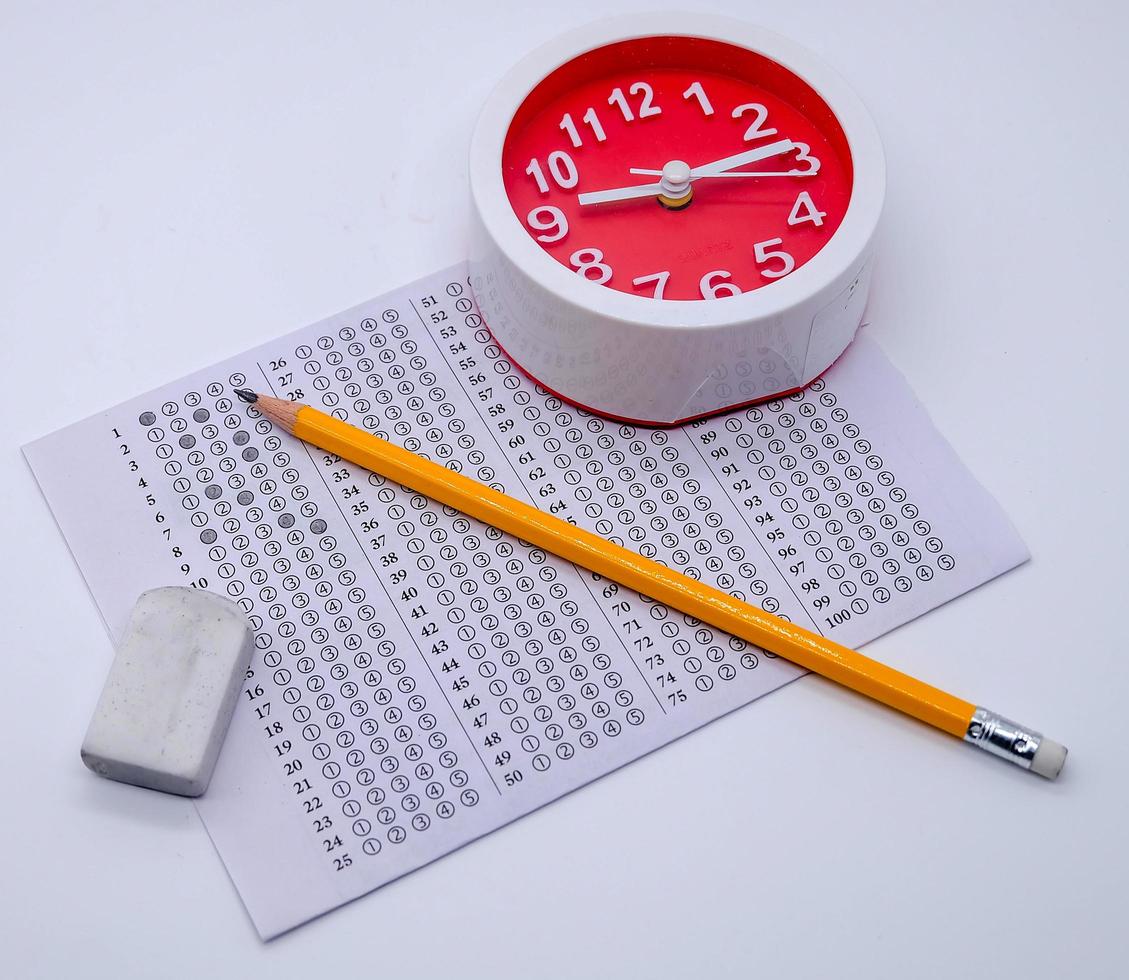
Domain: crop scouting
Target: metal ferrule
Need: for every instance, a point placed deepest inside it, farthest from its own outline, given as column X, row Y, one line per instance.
column 1000, row 736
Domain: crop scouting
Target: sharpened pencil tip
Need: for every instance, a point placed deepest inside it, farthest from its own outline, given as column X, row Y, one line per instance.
column 247, row 395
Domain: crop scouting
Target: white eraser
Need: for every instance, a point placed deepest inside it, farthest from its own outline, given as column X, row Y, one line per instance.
column 1049, row 759
column 171, row 691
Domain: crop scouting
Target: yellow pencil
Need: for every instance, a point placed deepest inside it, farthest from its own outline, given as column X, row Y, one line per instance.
column 929, row 704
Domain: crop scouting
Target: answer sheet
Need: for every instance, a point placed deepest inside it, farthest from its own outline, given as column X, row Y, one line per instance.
column 422, row 679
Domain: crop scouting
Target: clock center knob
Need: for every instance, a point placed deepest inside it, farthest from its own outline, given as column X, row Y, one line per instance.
column 675, row 182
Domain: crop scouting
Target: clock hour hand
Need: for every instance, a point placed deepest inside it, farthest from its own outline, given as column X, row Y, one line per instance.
column 620, row 193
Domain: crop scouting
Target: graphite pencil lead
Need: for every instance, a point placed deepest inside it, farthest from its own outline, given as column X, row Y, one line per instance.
column 247, row 395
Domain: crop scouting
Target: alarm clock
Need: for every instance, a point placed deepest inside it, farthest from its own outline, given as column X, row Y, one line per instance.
column 672, row 216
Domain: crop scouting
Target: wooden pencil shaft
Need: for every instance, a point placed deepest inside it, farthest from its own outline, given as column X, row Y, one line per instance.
column 650, row 578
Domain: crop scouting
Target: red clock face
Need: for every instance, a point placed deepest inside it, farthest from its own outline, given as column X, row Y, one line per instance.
column 677, row 168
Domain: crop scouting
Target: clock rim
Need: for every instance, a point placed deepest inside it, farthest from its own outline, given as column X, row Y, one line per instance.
column 841, row 252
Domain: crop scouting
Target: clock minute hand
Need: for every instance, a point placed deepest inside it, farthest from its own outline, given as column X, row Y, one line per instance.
column 742, row 159
column 736, row 173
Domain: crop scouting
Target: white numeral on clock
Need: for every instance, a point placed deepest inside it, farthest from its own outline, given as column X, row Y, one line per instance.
column 712, row 287
column 561, row 167
column 659, row 279
column 763, row 252
column 556, row 224
column 696, row 91
column 804, row 156
column 754, row 132
column 809, row 211
column 646, row 107
column 591, row 119
column 585, row 260
column 570, row 127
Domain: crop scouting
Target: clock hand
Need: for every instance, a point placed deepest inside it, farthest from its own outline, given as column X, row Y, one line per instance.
column 620, row 193
column 741, row 159
column 715, row 169
column 738, row 173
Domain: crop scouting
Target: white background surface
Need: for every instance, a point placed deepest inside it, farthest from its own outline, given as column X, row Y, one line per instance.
column 179, row 182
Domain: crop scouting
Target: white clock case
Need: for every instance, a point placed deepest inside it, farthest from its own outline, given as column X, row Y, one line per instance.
column 661, row 362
